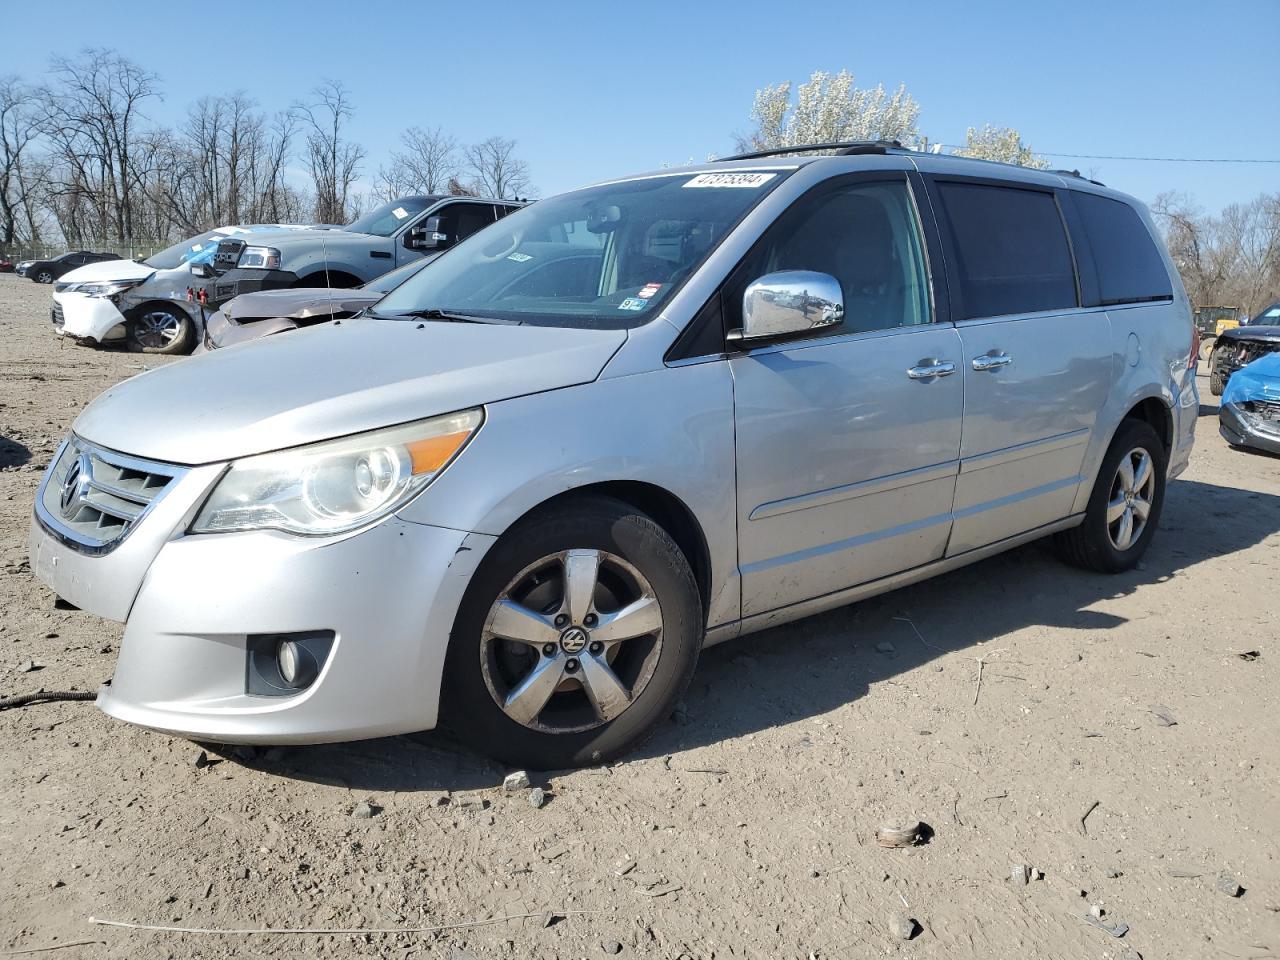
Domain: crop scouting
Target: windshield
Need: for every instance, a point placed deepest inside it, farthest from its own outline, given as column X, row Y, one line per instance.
column 385, row 220
column 389, row 281
column 605, row 258
column 196, row 250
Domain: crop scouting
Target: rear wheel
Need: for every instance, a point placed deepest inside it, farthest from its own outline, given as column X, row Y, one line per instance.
column 576, row 637
column 44, row 276
column 1125, row 505
column 160, row 329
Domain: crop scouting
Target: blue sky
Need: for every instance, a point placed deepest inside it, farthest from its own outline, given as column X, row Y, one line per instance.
column 598, row 89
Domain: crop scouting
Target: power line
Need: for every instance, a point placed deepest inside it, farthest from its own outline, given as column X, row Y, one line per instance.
column 1094, row 156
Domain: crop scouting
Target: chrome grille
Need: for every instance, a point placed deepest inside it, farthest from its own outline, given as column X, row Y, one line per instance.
column 56, row 315
column 91, row 498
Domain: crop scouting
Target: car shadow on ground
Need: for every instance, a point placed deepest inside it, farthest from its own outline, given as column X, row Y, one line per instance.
column 12, row 453
column 815, row 665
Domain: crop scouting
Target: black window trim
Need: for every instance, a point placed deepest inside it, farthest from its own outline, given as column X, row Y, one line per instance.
column 1091, row 293
column 684, row 348
column 945, row 234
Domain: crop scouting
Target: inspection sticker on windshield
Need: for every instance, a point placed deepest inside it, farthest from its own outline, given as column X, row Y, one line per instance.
column 633, row 303
column 749, row 180
column 519, row 257
column 400, row 213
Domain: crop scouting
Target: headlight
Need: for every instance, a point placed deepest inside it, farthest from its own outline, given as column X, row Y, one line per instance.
column 259, row 258
column 108, row 288
column 337, row 485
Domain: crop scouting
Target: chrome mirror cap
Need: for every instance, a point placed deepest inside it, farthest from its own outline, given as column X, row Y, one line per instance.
column 790, row 302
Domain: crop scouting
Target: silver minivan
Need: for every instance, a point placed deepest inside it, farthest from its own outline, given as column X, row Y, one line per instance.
column 523, row 491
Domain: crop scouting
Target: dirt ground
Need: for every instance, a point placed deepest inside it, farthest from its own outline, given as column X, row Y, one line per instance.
column 999, row 704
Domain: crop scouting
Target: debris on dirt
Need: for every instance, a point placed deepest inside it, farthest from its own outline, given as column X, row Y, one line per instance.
column 364, row 810
column 611, row 946
column 1227, row 884
column 1096, row 911
column 1117, row 928
column 1037, row 874
column 1019, row 873
column 537, row 798
column 1164, row 716
column 202, row 760
column 515, row 782
column 1085, row 816
column 56, row 884
column 904, row 928
column 30, row 666
column 1113, row 874
column 1249, row 655
column 1184, row 874
column 905, row 835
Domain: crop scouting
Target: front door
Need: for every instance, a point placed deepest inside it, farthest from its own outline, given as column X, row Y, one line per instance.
column 1037, row 368
column 847, row 443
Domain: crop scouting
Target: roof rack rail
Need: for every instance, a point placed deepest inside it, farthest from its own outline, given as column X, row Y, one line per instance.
column 1079, row 176
column 840, row 147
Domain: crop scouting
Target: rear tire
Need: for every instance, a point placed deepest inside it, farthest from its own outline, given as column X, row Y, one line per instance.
column 604, row 695
column 44, row 276
column 1103, row 542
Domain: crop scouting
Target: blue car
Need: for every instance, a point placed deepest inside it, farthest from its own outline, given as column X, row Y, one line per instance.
column 1250, row 411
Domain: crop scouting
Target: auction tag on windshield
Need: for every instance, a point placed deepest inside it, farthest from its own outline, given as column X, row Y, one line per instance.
column 749, row 180
column 519, row 257
column 400, row 213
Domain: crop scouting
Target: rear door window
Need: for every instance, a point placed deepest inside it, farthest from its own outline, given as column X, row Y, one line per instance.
column 1011, row 250
column 1129, row 267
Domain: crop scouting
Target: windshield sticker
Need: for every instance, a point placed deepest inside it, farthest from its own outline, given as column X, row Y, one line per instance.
column 649, row 290
column 748, row 180
column 633, row 303
column 400, row 213
column 519, row 257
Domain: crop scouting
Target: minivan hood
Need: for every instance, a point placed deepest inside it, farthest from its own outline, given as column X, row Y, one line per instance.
column 332, row 380
column 108, row 270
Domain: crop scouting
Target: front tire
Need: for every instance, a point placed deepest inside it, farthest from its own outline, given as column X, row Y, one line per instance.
column 1125, row 505
column 161, row 329
column 1217, row 379
column 575, row 639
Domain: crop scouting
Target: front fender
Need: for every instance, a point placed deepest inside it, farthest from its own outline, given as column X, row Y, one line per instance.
column 671, row 428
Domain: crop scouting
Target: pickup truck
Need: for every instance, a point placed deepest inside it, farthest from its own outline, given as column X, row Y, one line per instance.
column 384, row 238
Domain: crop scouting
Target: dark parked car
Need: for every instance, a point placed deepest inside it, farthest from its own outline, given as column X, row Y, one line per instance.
column 47, row 271
column 1242, row 345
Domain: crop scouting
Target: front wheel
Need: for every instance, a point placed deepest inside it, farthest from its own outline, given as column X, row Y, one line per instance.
column 161, row 329
column 1125, row 505
column 1217, row 379
column 576, row 637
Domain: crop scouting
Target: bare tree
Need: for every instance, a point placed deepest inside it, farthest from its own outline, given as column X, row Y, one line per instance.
column 334, row 160
column 427, row 163
column 496, row 170
column 18, row 128
column 93, row 118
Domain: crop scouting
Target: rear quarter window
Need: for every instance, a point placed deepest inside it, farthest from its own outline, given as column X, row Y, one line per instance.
column 1011, row 249
column 1128, row 264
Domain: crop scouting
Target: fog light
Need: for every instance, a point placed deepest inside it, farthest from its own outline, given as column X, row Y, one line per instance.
column 297, row 666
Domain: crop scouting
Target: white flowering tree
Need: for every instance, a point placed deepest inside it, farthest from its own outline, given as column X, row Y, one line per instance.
column 829, row 108
column 1000, row 143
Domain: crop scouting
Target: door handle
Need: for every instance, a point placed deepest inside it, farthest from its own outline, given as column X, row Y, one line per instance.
column 380, row 254
column 928, row 369
column 992, row 361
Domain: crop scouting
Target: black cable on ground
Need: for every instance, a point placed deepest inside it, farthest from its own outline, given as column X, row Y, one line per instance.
column 26, row 698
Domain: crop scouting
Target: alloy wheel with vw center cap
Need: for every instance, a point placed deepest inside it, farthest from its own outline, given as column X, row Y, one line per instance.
column 576, row 638
column 571, row 641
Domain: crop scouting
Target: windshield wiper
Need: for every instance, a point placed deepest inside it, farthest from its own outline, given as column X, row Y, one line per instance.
column 433, row 313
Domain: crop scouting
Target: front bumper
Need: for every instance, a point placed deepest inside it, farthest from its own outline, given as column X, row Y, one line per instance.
column 87, row 318
column 1244, row 429
column 389, row 593
column 235, row 282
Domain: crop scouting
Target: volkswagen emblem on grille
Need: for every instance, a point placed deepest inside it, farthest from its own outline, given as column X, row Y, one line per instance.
column 75, row 485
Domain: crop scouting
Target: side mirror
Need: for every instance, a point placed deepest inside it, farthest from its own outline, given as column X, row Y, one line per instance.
column 789, row 303
column 432, row 235
column 203, row 270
